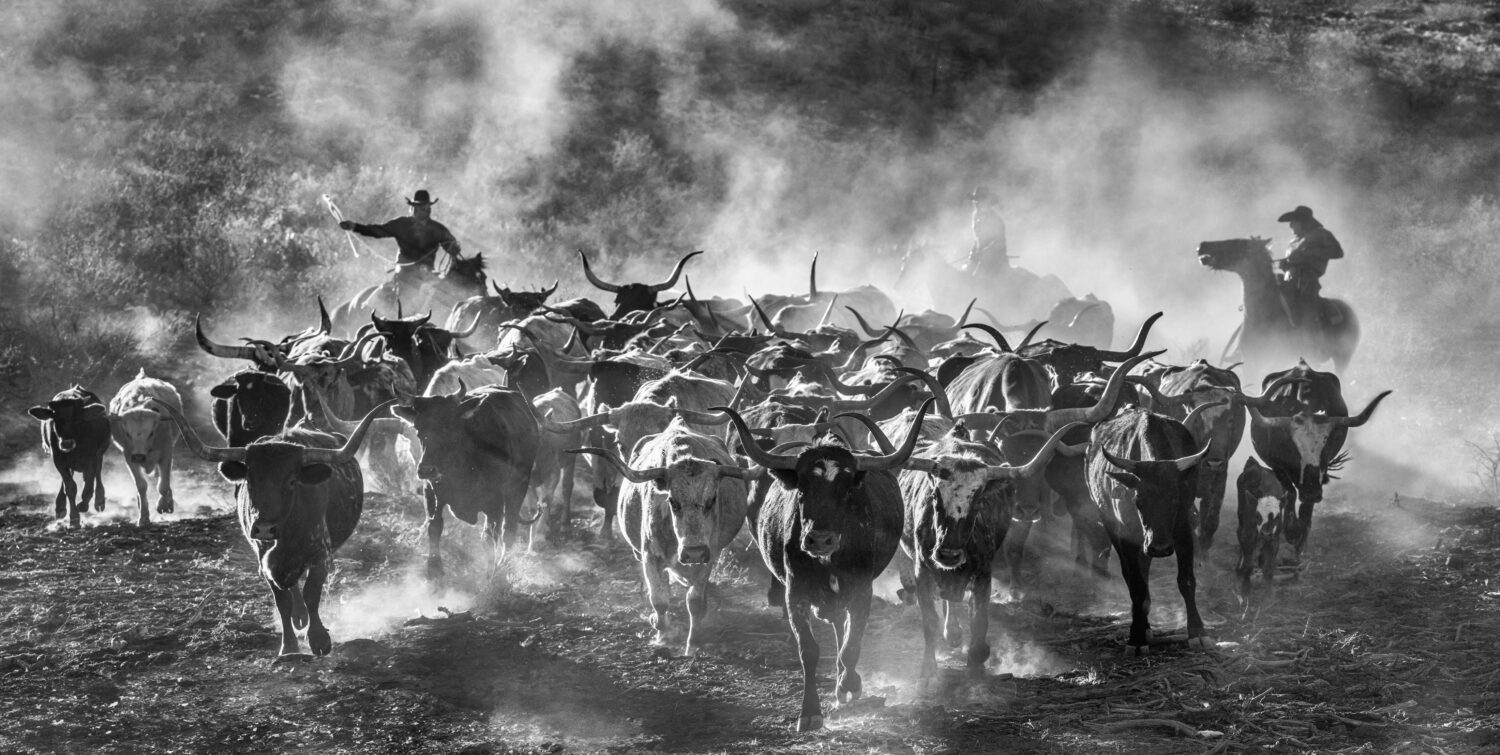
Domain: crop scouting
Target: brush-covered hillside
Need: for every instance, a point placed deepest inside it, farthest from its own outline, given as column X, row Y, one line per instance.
column 166, row 159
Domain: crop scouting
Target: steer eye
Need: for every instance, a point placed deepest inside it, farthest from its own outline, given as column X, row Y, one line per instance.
column 676, row 504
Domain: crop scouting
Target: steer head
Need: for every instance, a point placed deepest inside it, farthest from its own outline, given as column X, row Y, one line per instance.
column 519, row 304
column 634, row 297
column 135, row 431
column 282, row 474
column 436, row 419
column 249, row 405
column 1152, row 494
column 957, row 488
column 825, row 478
column 1265, row 506
column 72, row 412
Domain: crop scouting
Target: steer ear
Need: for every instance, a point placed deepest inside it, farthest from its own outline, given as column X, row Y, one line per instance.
column 1125, row 478
column 314, row 474
column 233, row 471
column 222, row 390
column 405, row 413
column 40, row 412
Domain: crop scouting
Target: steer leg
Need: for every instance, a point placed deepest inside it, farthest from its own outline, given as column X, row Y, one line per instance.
column 799, row 612
column 1014, row 549
column 926, row 597
column 953, row 629
column 658, row 594
column 1133, row 565
column 979, row 623
column 138, row 473
column 285, row 607
column 850, row 686
column 312, row 593
column 1187, row 584
column 67, row 494
column 697, row 604
column 1210, row 506
column 165, row 502
column 1304, row 527
column 434, row 533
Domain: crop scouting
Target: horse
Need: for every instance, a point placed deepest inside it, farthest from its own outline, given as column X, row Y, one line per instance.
column 415, row 288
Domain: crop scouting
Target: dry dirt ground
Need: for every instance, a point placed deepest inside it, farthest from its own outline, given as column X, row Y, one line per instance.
column 114, row 640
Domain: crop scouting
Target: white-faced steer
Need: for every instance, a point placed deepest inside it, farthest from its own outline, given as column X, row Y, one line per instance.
column 145, row 436
column 683, row 501
column 301, row 498
column 830, row 525
column 959, row 500
column 478, row 450
column 1142, row 474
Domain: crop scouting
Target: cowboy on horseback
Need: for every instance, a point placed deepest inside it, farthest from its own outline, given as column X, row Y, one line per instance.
column 988, row 247
column 1306, row 261
column 418, row 240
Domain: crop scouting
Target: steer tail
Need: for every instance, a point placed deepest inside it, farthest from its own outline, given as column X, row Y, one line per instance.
column 299, row 608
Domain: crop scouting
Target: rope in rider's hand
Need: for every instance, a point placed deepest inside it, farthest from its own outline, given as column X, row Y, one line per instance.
column 333, row 209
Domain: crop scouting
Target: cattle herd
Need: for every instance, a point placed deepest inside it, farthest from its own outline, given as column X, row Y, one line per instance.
column 843, row 448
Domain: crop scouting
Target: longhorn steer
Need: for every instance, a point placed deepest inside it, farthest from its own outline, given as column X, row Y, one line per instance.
column 300, row 498
column 478, row 451
column 683, row 501
column 634, row 297
column 75, row 433
column 959, row 496
column 488, row 312
column 830, row 525
column 1299, row 431
column 1142, row 472
column 145, row 436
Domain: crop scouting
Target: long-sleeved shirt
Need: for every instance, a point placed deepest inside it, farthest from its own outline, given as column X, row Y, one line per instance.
column 1312, row 251
column 416, row 239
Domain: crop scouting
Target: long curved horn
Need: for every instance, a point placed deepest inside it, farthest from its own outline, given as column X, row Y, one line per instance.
column 1363, row 416
column 759, row 455
column 1188, row 462
column 1029, row 335
column 876, row 434
column 1135, row 348
column 346, row 452
column 629, row 473
column 1091, row 305
column 695, row 417
column 963, row 318
column 944, row 408
column 218, row 349
column 1129, row 465
column 351, row 353
column 1038, row 462
column 1277, row 423
column 588, row 272
column 496, row 288
column 840, row 405
column 575, row 425
column 194, row 443
column 1176, row 404
column 676, row 273
column 782, row 332
column 1266, row 400
column 893, row 460
column 812, row 278
column 1199, row 409
column 547, row 293
column 1105, row 406
column 473, row 326
column 993, row 333
column 864, row 324
column 828, row 311
column 325, row 323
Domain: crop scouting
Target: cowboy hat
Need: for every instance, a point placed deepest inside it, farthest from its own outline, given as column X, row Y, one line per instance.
column 1301, row 213
column 421, row 198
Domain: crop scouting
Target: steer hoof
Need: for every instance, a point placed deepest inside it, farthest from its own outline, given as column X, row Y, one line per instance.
column 809, row 723
column 319, row 641
column 1137, row 651
column 1201, row 643
column 164, row 506
column 98, row 505
column 285, row 658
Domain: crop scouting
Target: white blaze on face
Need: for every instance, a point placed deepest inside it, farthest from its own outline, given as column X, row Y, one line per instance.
column 956, row 494
column 827, row 470
column 1266, row 508
column 1310, row 437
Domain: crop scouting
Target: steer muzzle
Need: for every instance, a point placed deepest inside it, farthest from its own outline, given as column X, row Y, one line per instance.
column 261, row 529
column 821, row 543
column 428, row 472
column 693, row 555
column 137, row 458
column 949, row 558
column 66, row 445
column 1159, row 550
